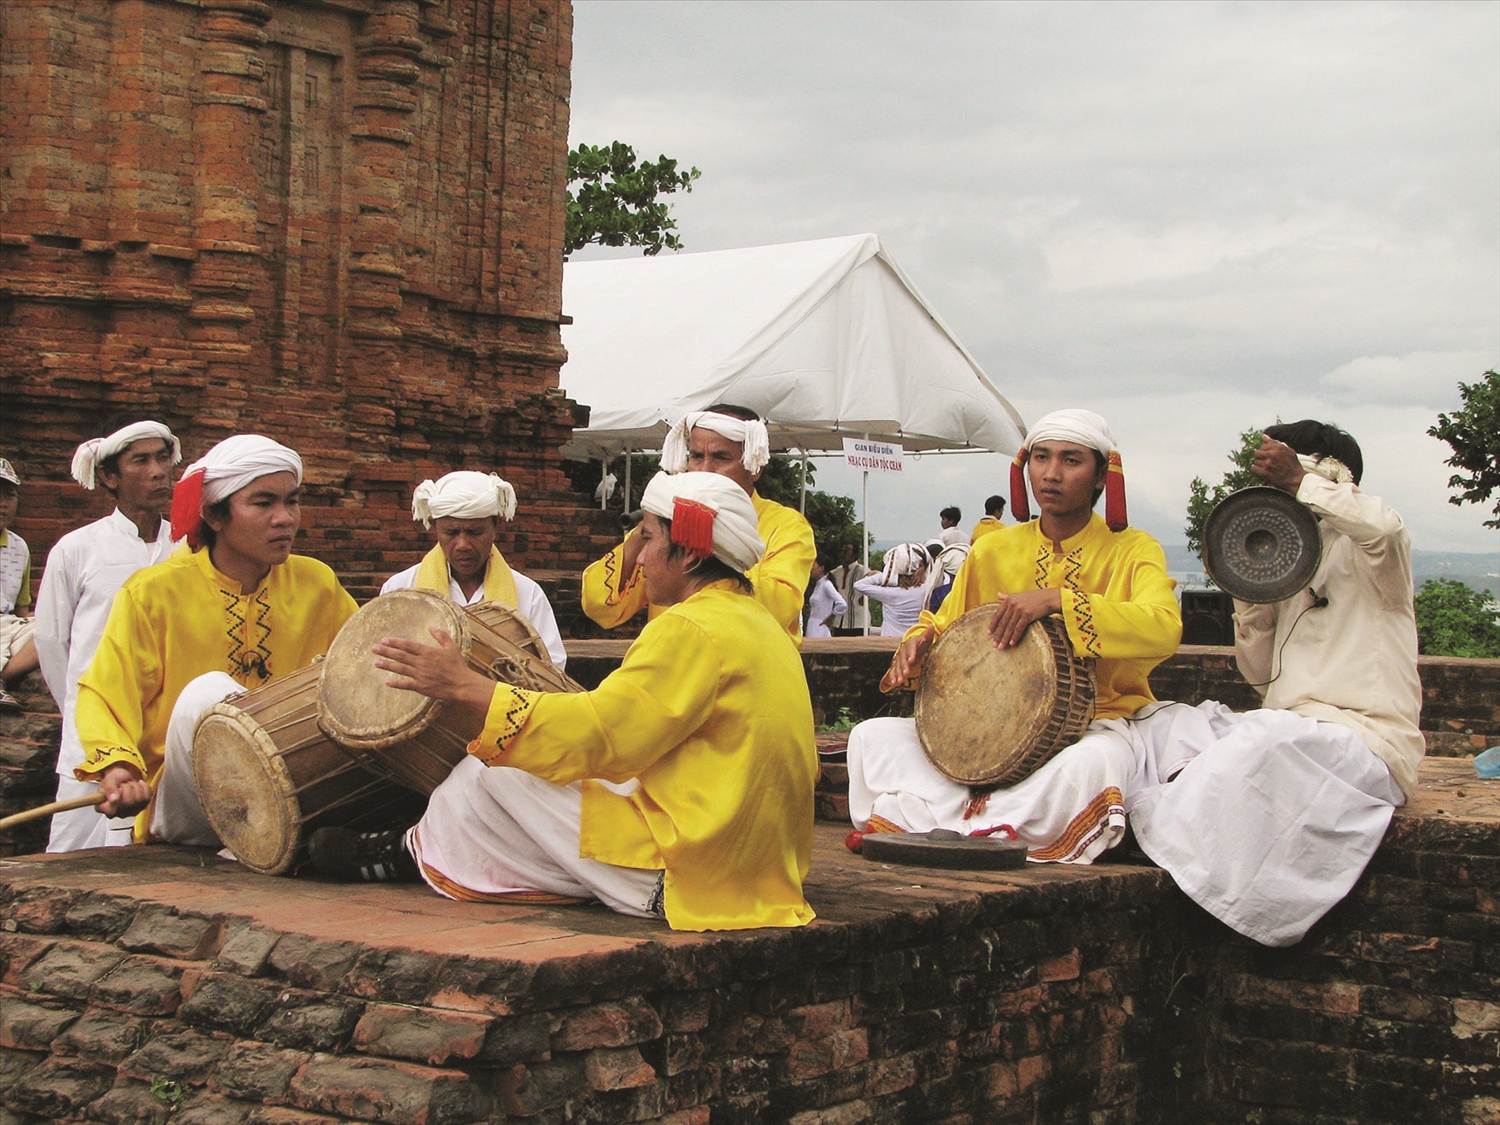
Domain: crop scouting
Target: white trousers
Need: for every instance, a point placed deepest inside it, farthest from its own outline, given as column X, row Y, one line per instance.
column 1266, row 819
column 176, row 815
column 494, row 831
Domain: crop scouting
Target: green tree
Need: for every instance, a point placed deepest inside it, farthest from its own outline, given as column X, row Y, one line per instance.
column 1202, row 499
column 833, row 518
column 613, row 201
column 1474, row 434
column 1454, row 619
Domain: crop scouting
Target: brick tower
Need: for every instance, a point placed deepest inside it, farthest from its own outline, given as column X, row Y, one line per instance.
column 338, row 223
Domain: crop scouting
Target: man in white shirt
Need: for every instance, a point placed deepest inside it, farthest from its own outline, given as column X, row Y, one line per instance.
column 952, row 534
column 856, row 619
column 463, row 511
column 85, row 569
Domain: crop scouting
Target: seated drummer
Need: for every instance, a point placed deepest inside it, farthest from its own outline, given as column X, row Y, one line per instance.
column 705, row 734
column 236, row 612
column 1108, row 585
column 732, row 441
column 463, row 510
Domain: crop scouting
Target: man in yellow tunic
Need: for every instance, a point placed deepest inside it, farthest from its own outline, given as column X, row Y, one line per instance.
column 994, row 508
column 703, row 739
column 238, row 611
column 1109, row 586
column 731, row 441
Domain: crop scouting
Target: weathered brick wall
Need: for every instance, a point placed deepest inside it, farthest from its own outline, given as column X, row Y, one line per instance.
column 916, row 998
column 335, row 222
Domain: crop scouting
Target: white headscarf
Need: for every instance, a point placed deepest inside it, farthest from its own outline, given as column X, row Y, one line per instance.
column 751, row 434
column 673, row 496
column 904, row 559
column 1085, row 427
column 87, row 457
column 463, row 495
column 221, row 472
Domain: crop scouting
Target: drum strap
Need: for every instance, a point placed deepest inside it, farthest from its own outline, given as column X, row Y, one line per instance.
column 499, row 583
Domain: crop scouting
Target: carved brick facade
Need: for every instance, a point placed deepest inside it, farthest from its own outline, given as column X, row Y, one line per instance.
column 335, row 222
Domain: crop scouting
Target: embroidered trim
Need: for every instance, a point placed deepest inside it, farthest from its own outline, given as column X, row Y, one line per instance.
column 1043, row 569
column 517, row 709
column 1084, row 829
column 880, row 824
column 613, row 591
column 460, row 893
column 246, row 659
column 1083, row 614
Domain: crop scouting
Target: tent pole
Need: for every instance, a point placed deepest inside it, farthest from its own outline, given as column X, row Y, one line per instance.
column 627, row 479
column 802, row 503
column 603, row 489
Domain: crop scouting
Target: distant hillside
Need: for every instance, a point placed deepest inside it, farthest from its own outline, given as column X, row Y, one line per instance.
column 1480, row 570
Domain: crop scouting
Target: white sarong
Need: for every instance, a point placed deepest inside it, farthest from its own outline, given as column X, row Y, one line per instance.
column 1265, row 819
column 491, row 832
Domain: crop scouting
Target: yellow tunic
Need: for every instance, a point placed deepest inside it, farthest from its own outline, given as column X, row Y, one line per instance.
column 710, row 710
column 173, row 622
column 780, row 578
column 983, row 528
column 1117, row 600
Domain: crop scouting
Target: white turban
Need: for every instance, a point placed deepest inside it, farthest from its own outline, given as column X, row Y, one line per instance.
column 696, row 502
column 1083, row 427
column 221, row 472
column 87, row 457
column 904, row 559
column 751, row 434
column 464, row 496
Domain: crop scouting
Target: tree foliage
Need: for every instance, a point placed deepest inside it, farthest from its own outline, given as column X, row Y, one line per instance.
column 1454, row 619
column 613, row 201
column 833, row 518
column 1474, row 434
column 1202, row 499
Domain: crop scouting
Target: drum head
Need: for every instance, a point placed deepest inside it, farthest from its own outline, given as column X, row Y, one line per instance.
column 988, row 716
column 355, row 707
column 245, row 790
column 1261, row 544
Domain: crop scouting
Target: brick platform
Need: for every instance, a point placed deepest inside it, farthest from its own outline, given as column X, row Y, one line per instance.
column 155, row 983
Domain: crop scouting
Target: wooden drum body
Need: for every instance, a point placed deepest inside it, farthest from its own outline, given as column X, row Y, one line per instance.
column 405, row 736
column 267, row 776
column 992, row 717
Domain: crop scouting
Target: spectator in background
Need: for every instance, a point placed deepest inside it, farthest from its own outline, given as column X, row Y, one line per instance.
column 17, row 650
column 994, row 508
column 900, row 588
column 951, row 533
column 855, row 620
column 825, row 603
column 85, row 569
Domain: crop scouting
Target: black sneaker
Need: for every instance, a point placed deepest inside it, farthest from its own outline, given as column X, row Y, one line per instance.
column 362, row 857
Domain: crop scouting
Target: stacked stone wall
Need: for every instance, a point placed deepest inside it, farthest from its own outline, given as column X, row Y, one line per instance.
column 335, row 222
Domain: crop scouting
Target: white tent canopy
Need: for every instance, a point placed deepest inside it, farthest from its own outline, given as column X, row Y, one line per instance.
column 826, row 339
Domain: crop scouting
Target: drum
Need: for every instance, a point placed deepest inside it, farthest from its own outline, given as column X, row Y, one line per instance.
column 991, row 717
column 267, row 776
column 403, row 735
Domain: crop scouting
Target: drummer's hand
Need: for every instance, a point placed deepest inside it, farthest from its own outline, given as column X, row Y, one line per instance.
column 437, row 671
column 1276, row 463
column 908, row 658
column 123, row 790
column 1016, row 611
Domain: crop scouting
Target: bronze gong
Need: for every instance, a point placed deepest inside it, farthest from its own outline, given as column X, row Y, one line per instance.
column 1261, row 544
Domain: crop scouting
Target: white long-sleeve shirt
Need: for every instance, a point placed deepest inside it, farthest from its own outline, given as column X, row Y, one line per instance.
column 533, row 605
column 825, row 601
column 85, row 569
column 1352, row 661
column 903, row 604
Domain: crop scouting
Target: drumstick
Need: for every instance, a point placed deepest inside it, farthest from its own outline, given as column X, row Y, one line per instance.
column 48, row 810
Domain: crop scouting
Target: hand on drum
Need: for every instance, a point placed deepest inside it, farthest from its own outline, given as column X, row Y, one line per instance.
column 437, row 671
column 125, row 794
column 1276, row 463
column 1014, row 612
column 908, row 659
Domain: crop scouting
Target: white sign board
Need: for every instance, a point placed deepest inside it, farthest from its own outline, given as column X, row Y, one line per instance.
column 873, row 456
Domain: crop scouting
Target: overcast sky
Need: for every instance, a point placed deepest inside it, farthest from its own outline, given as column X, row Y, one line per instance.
column 1191, row 217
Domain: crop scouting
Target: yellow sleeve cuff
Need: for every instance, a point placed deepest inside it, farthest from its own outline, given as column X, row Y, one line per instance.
column 510, row 707
column 1078, row 616
column 95, row 762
